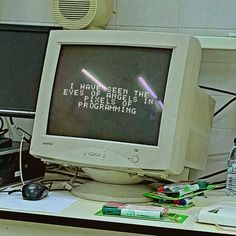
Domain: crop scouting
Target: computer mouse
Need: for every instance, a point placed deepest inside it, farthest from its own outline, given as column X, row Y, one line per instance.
column 34, row 191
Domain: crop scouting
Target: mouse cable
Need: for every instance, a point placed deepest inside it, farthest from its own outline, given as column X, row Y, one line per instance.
column 13, row 191
column 10, row 191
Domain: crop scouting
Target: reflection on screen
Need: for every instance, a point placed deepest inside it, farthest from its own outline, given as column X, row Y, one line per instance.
column 109, row 93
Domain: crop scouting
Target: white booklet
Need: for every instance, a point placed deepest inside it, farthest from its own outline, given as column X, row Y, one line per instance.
column 222, row 213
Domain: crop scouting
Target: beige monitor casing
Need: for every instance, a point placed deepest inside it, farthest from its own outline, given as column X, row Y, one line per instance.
column 186, row 118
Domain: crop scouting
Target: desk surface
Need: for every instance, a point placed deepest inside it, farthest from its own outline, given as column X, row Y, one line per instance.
column 82, row 215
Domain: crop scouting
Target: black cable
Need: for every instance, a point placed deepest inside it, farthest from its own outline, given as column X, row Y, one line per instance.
column 67, row 174
column 50, row 185
column 219, row 182
column 224, row 106
column 213, row 174
column 13, row 191
column 2, row 123
column 217, row 90
column 219, row 187
column 24, row 131
column 2, row 131
column 11, row 120
column 221, row 91
column 59, row 180
column 53, row 180
column 58, row 189
column 58, row 172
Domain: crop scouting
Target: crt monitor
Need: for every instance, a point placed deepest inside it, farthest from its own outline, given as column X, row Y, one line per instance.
column 123, row 105
column 22, row 53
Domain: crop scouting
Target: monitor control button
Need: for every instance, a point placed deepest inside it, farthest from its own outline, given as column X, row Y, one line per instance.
column 135, row 159
column 94, row 154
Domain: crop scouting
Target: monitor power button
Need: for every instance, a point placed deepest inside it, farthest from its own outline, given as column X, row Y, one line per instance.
column 135, row 159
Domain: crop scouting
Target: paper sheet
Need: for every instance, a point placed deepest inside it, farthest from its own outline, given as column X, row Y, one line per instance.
column 53, row 203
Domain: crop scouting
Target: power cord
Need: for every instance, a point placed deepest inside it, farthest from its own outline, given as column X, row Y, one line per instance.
column 221, row 91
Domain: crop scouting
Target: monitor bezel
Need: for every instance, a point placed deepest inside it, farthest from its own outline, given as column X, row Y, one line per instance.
column 186, row 52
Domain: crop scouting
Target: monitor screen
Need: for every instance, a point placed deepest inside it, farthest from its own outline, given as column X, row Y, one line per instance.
column 22, row 52
column 103, row 92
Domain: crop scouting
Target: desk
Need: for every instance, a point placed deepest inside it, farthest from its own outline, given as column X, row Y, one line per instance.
column 79, row 219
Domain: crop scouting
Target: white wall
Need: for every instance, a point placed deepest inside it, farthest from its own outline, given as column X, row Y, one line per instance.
column 26, row 12
column 197, row 17
column 201, row 17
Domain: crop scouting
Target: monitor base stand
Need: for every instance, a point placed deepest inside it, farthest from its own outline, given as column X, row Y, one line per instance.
column 127, row 193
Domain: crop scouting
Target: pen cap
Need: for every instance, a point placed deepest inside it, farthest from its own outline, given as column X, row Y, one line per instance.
column 202, row 184
column 106, row 210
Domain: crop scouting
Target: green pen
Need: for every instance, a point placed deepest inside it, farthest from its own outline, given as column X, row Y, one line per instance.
column 151, row 212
